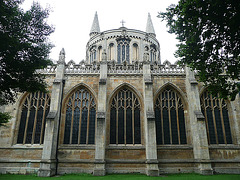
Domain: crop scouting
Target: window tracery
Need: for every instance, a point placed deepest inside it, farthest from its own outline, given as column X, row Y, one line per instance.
column 153, row 53
column 123, row 50
column 93, row 54
column 33, row 118
column 80, row 118
column 217, row 119
column 125, row 125
column 170, row 120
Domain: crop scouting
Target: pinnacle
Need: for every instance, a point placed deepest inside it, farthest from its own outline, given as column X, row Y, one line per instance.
column 150, row 28
column 95, row 25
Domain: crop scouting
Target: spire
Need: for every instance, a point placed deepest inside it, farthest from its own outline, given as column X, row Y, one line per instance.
column 150, row 28
column 95, row 25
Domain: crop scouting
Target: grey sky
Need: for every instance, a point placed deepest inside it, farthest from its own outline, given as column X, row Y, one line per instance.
column 73, row 20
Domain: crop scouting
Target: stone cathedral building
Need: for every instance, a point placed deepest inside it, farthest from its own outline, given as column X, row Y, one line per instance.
column 121, row 110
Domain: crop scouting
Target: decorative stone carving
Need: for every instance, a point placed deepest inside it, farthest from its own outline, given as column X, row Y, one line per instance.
column 148, row 79
column 51, row 115
column 150, row 115
column 193, row 81
column 199, row 115
column 57, row 81
column 101, row 115
column 102, row 81
column 61, row 57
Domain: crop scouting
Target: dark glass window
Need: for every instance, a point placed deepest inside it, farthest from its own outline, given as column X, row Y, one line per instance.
column 123, row 50
column 33, row 118
column 217, row 119
column 170, row 121
column 80, row 118
column 125, row 124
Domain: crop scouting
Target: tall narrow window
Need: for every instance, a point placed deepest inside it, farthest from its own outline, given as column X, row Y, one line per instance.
column 135, row 52
column 99, row 53
column 33, row 118
column 111, row 51
column 217, row 119
column 125, row 124
column 92, row 54
column 123, row 50
column 170, row 121
column 80, row 118
column 153, row 53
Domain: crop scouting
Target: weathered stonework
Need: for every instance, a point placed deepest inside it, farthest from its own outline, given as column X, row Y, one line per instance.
column 104, row 74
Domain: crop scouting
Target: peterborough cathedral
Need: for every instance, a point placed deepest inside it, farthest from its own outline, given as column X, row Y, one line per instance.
column 121, row 110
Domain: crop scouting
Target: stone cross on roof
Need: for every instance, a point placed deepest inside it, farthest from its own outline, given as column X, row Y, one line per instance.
column 122, row 23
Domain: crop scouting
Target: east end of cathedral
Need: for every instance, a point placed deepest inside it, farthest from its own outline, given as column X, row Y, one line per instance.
column 121, row 111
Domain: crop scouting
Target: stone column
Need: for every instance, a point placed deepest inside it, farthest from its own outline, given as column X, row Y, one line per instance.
column 235, row 107
column 149, row 120
column 48, row 165
column 198, row 126
column 99, row 169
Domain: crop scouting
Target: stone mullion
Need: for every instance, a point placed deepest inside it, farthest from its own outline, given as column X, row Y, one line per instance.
column 133, row 119
column 89, row 103
column 43, row 118
column 28, row 113
column 80, row 117
column 176, row 108
column 161, row 109
column 35, row 119
column 73, row 109
column 117, row 121
column 221, row 116
column 206, row 119
column 125, row 118
column 169, row 117
column 214, row 119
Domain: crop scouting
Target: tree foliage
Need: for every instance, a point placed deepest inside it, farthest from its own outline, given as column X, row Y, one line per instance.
column 24, row 48
column 209, row 36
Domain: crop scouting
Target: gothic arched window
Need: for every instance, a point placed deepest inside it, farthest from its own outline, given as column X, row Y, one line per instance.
column 153, row 53
column 99, row 53
column 111, row 51
column 92, row 54
column 135, row 52
column 33, row 118
column 125, row 123
column 123, row 50
column 217, row 119
column 80, row 118
column 170, row 121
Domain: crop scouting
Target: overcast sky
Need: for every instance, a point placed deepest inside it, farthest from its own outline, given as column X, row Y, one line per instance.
column 73, row 19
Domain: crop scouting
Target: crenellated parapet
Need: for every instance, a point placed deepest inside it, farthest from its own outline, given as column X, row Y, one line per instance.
column 113, row 68
column 167, row 69
column 82, row 68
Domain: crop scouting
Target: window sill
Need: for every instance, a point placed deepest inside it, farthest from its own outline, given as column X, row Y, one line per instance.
column 224, row 146
column 27, row 146
column 174, row 147
column 137, row 146
column 76, row 146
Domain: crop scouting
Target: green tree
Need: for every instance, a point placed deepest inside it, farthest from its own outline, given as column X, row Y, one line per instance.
column 209, row 41
column 24, row 47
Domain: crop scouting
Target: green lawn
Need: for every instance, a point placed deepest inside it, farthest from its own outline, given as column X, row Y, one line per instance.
column 117, row 176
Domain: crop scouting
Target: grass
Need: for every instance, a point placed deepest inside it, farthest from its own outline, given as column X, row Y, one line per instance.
column 122, row 176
